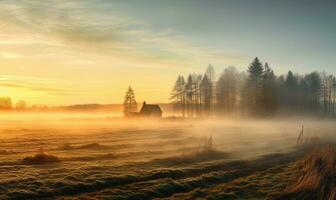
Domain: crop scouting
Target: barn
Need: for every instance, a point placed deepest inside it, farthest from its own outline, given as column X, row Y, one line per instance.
column 150, row 110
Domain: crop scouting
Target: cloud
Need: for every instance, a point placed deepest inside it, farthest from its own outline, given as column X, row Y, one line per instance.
column 87, row 26
column 73, row 21
column 47, row 86
column 32, row 87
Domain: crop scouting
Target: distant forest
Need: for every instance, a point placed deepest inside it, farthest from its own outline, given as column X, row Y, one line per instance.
column 258, row 92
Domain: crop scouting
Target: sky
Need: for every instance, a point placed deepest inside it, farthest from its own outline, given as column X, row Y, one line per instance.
column 61, row 52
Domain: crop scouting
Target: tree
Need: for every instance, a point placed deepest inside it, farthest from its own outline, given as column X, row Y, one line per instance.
column 303, row 96
column 130, row 104
column 211, row 76
column 327, row 91
column 269, row 98
column 243, row 94
column 198, row 94
column 334, row 94
column 227, row 91
column 210, row 72
column 255, row 71
column 6, row 103
column 314, row 88
column 21, row 105
column 255, row 91
column 191, row 89
column 178, row 95
column 206, row 88
column 290, row 96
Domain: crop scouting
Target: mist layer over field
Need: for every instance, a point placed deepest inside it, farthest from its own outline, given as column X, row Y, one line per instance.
column 101, row 157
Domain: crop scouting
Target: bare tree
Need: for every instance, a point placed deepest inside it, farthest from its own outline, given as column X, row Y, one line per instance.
column 178, row 95
column 327, row 90
column 210, row 73
column 227, row 91
column 206, row 88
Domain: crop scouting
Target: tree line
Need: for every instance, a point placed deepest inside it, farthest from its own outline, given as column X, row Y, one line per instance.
column 7, row 104
column 256, row 92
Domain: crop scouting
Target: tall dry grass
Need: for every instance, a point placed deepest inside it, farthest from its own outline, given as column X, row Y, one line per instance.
column 315, row 178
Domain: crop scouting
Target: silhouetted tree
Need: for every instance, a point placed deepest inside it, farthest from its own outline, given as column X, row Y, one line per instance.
column 255, row 71
column 206, row 89
column 130, row 104
column 6, row 103
column 334, row 95
column 290, row 96
column 189, row 87
column 257, row 91
column 269, row 98
column 243, row 99
column 211, row 76
column 303, row 102
column 227, row 91
column 314, row 84
column 327, row 90
column 198, row 89
column 178, row 95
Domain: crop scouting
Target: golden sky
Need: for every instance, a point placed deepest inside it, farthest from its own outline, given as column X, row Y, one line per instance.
column 72, row 52
column 60, row 52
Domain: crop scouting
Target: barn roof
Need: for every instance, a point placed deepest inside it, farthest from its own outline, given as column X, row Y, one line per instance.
column 150, row 108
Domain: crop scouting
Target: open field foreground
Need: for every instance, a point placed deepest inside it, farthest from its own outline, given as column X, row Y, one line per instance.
column 112, row 159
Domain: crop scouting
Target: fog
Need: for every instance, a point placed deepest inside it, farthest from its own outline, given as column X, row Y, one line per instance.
column 100, row 155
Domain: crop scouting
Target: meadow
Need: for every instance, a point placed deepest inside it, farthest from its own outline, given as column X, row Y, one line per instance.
column 100, row 157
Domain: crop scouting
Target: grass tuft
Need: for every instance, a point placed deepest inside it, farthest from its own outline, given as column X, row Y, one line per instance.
column 316, row 176
column 40, row 158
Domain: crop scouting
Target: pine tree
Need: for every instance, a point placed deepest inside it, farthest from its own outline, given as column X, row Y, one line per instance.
column 130, row 104
column 291, row 92
column 255, row 71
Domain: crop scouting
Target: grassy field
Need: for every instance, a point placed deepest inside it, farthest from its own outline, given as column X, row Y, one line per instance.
column 102, row 158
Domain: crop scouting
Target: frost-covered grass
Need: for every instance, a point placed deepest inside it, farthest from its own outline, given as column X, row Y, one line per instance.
column 103, row 158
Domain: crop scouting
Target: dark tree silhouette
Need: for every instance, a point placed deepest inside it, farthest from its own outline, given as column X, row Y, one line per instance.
column 255, row 71
column 268, row 92
column 291, row 89
column 314, row 83
column 206, row 88
column 257, row 92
